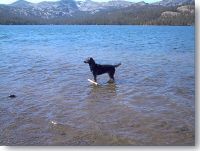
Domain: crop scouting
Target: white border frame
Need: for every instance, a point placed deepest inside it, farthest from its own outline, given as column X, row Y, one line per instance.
column 137, row 148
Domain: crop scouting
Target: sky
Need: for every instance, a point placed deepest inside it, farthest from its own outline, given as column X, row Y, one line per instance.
column 36, row 1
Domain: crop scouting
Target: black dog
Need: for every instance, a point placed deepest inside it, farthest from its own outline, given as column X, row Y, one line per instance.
column 98, row 69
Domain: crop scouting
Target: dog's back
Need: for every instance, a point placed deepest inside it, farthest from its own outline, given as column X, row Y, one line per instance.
column 101, row 69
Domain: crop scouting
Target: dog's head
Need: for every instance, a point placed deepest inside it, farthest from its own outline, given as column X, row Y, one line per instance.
column 89, row 60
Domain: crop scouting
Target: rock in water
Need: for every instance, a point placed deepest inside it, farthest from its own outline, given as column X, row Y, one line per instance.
column 12, row 96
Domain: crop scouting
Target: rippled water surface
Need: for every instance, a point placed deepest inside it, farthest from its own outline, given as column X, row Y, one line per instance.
column 151, row 103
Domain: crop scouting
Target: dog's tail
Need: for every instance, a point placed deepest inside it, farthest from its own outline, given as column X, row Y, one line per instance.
column 117, row 65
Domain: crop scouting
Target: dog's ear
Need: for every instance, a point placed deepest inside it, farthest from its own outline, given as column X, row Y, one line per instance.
column 92, row 60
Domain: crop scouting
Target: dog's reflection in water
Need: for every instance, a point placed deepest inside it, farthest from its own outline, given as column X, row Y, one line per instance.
column 103, row 92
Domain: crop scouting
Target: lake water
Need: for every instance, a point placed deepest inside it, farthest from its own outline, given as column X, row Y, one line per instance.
column 152, row 101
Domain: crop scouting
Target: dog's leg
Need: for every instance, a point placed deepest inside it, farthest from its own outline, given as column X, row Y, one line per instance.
column 111, row 75
column 95, row 77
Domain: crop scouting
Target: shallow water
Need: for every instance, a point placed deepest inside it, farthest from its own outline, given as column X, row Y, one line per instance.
column 152, row 101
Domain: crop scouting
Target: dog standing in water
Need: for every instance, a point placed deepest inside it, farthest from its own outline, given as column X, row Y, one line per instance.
column 98, row 69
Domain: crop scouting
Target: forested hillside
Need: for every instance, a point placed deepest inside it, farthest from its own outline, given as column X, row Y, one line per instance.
column 69, row 12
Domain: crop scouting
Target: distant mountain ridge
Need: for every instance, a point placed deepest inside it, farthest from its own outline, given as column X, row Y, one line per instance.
column 65, row 11
column 89, row 5
column 21, row 3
